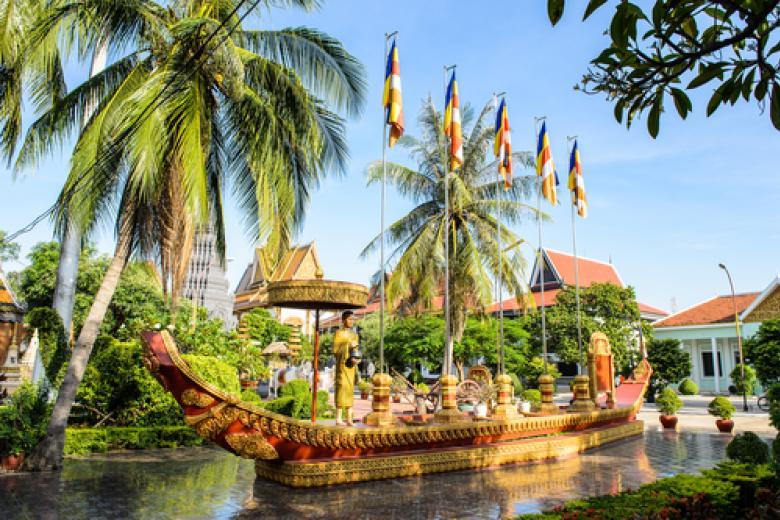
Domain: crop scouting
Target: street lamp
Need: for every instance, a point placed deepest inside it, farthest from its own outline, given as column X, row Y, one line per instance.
column 739, row 340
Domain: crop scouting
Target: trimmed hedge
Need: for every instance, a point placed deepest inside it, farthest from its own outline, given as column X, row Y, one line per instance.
column 688, row 387
column 216, row 372
column 80, row 441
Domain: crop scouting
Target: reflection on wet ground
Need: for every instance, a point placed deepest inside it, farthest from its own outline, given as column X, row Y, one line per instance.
column 209, row 483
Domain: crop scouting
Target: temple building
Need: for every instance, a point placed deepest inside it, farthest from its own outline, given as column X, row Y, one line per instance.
column 707, row 331
column 298, row 263
column 20, row 359
column 206, row 284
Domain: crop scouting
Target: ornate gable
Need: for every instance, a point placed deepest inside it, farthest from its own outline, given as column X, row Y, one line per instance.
column 766, row 309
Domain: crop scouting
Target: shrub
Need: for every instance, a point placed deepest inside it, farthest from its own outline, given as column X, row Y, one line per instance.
column 721, row 407
column 216, row 372
column 295, row 401
column 748, row 448
column 80, row 441
column 364, row 386
column 516, row 384
column 422, row 388
column 668, row 402
column 533, row 396
column 688, row 387
column 24, row 420
column 750, row 379
column 250, row 396
column 535, row 368
column 773, row 394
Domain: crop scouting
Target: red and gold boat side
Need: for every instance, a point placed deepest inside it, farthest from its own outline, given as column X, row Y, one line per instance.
column 299, row 453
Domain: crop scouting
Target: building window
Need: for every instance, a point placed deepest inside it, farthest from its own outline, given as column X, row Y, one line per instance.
column 736, row 358
column 706, row 363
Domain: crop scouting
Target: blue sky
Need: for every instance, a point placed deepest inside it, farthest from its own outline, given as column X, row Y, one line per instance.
column 666, row 211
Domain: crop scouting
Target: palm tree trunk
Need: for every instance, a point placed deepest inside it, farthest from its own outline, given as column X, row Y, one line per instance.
column 47, row 455
column 70, row 249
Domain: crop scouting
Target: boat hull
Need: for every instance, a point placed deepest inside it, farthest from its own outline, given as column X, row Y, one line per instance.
column 301, row 453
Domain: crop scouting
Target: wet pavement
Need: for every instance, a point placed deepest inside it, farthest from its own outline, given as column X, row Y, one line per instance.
column 210, row 483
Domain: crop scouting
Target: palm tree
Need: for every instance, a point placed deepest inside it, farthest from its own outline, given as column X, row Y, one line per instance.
column 194, row 106
column 416, row 240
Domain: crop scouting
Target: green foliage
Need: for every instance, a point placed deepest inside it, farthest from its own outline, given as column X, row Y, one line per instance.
column 659, row 54
column 688, row 387
column 23, row 421
column 534, row 369
column 117, row 389
column 721, row 407
column 749, row 384
column 263, row 328
column 763, row 352
column 517, row 386
column 250, row 396
column 748, row 448
column 295, row 401
column 668, row 402
column 364, row 386
column 605, row 308
column 669, row 361
column 216, row 372
column 415, row 340
column 52, row 340
column 480, row 339
column 533, row 396
column 81, row 441
column 8, row 250
column 773, row 394
column 747, row 478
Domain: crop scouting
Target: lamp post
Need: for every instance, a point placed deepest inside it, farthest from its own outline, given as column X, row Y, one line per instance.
column 739, row 340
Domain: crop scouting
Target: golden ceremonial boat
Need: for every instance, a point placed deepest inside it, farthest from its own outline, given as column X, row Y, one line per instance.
column 300, row 453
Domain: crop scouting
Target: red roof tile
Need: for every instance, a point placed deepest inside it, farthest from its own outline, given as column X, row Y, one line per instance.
column 645, row 308
column 590, row 271
column 716, row 310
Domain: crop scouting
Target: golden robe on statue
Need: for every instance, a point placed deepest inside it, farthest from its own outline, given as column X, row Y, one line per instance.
column 343, row 340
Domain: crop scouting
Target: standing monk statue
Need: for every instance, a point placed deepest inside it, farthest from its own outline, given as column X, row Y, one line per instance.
column 344, row 341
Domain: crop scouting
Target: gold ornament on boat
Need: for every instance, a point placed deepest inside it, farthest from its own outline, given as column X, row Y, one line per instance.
column 192, row 397
column 251, row 446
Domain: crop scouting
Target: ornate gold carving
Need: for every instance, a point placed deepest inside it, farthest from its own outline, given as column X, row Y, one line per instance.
column 342, row 471
column 317, row 293
column 191, row 397
column 214, row 421
column 251, row 446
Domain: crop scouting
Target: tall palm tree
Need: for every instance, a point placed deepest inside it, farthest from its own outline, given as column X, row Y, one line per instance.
column 417, row 238
column 196, row 105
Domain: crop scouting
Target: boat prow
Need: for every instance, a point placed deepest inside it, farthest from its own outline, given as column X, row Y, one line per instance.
column 301, row 454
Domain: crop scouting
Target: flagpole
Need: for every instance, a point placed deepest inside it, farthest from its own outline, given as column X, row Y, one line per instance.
column 382, row 230
column 540, row 255
column 575, row 202
column 447, row 331
column 499, row 287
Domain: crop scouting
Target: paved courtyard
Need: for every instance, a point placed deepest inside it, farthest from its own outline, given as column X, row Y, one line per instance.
column 209, row 483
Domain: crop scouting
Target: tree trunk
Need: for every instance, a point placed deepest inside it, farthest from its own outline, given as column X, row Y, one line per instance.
column 70, row 249
column 461, row 374
column 47, row 455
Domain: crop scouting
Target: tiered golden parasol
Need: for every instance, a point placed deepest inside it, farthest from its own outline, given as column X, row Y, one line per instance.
column 317, row 295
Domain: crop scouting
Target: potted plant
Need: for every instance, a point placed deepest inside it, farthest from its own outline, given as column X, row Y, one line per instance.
column 668, row 403
column 532, row 398
column 365, row 388
column 397, row 387
column 722, row 408
column 23, row 423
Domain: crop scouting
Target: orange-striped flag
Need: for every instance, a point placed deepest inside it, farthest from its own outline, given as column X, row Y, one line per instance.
column 502, row 147
column 545, row 167
column 452, row 124
column 391, row 99
column 577, row 182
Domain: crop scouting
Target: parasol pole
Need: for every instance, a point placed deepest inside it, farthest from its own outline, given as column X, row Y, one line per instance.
column 540, row 255
column 382, row 228
column 581, row 363
column 315, row 373
column 447, row 331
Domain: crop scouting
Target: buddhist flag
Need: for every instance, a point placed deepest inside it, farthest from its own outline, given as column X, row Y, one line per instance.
column 577, row 183
column 545, row 168
column 502, row 147
column 392, row 101
column 452, row 124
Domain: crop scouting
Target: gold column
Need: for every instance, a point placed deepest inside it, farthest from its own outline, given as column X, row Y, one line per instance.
column 505, row 409
column 582, row 401
column 449, row 406
column 380, row 406
column 547, row 387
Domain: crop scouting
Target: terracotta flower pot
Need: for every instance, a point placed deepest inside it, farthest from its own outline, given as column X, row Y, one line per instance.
column 11, row 462
column 668, row 421
column 364, row 395
column 725, row 425
column 396, row 398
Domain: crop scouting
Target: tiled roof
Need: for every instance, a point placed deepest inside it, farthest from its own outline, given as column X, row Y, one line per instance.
column 715, row 310
column 649, row 309
column 590, row 271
